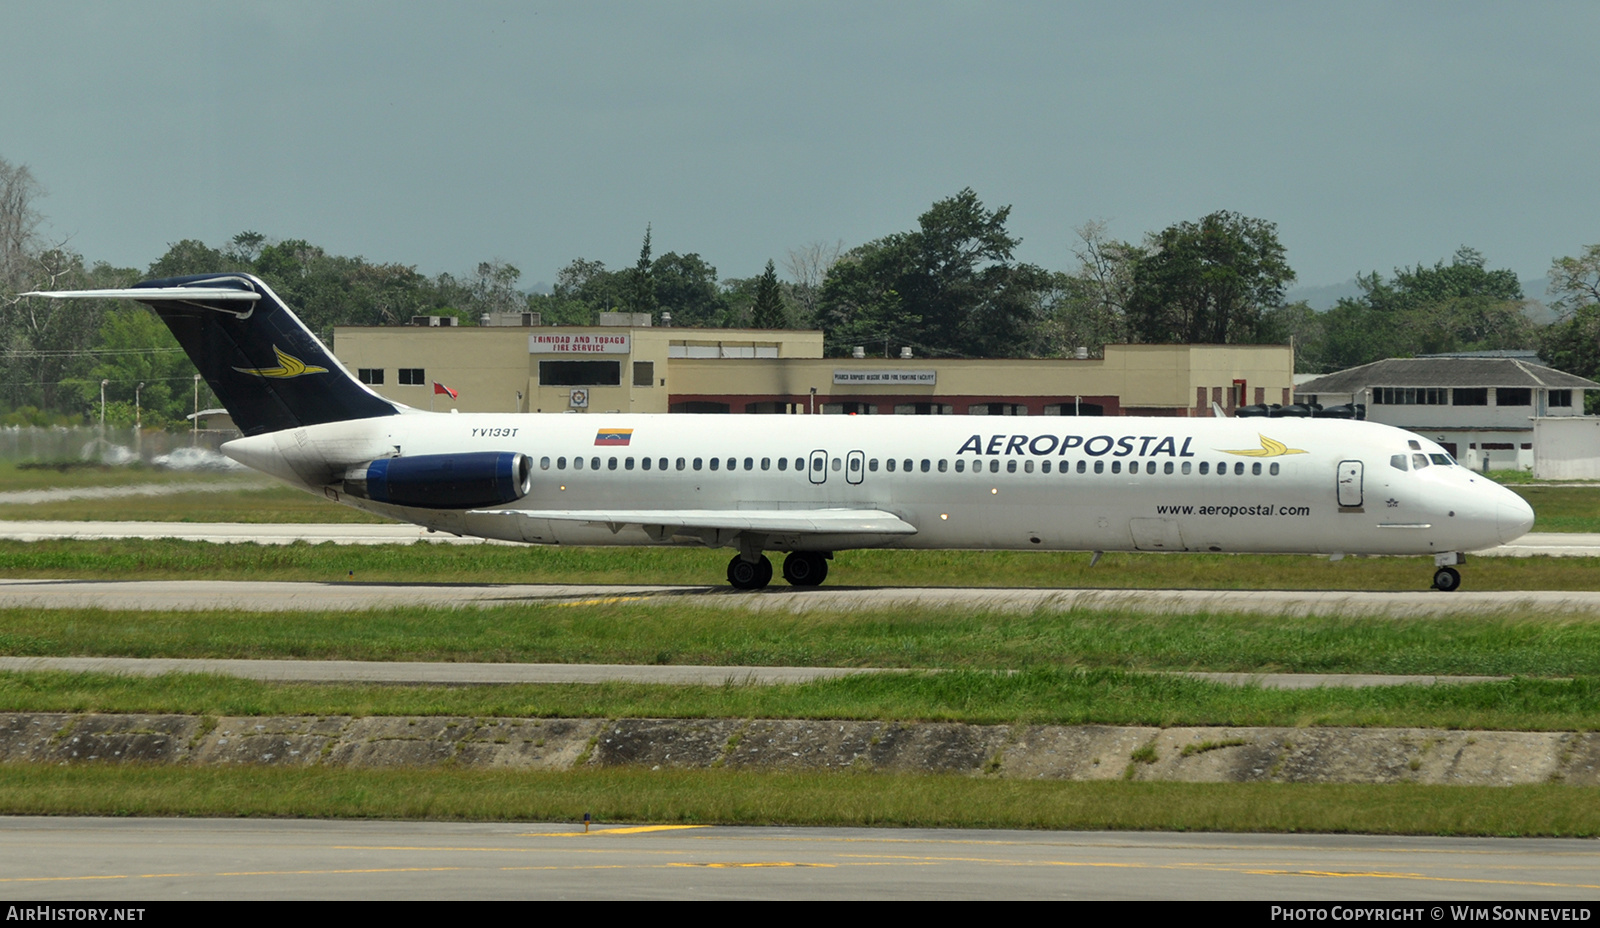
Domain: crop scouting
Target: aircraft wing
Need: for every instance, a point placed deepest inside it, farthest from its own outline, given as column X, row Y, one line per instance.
column 769, row 521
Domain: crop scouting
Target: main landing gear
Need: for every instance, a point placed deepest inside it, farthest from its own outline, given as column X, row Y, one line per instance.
column 1447, row 579
column 800, row 568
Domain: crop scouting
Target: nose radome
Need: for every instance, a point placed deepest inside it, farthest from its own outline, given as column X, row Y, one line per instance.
column 1515, row 518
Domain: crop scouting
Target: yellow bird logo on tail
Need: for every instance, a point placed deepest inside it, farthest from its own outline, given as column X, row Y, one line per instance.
column 1269, row 449
column 288, row 366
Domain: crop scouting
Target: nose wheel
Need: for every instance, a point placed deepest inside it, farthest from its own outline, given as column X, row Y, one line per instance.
column 1447, row 579
column 749, row 575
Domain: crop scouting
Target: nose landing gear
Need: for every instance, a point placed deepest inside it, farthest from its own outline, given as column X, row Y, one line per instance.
column 1446, row 578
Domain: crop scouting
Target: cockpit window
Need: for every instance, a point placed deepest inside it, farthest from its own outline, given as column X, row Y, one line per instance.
column 1397, row 461
column 1419, row 461
column 1441, row 459
column 1414, row 444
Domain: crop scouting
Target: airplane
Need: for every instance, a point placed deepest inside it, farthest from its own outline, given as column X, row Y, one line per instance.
column 811, row 486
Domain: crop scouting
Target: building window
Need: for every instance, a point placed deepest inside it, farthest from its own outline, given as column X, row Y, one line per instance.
column 1557, row 397
column 1409, row 396
column 374, row 375
column 579, row 373
column 644, row 373
column 1469, row 396
column 1513, row 396
column 412, row 376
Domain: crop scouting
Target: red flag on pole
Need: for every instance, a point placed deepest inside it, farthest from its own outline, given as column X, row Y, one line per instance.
column 439, row 388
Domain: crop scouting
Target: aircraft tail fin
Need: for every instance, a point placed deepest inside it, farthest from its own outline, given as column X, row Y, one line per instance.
column 262, row 362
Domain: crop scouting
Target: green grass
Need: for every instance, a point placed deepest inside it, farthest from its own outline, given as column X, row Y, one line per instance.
column 1045, row 696
column 739, row 797
column 26, row 475
column 669, row 632
column 1563, row 509
column 245, row 503
column 167, row 559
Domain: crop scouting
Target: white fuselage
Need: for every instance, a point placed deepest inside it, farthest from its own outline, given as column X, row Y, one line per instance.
column 1106, row 484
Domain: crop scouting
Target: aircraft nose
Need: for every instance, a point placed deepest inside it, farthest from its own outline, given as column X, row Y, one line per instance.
column 1515, row 518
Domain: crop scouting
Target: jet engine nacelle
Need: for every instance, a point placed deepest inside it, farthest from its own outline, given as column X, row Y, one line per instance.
column 443, row 481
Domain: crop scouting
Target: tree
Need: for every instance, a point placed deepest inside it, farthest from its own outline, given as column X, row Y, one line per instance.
column 768, row 310
column 949, row 287
column 1572, row 343
column 808, row 268
column 1208, row 281
column 1459, row 306
column 686, row 286
column 1088, row 308
column 19, row 224
column 641, row 293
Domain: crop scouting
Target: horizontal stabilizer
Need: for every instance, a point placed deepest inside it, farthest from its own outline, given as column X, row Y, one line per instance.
column 770, row 521
column 151, row 294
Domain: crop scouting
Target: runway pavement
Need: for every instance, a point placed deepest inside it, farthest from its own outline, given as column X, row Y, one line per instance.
column 1548, row 544
column 129, row 859
column 279, row 596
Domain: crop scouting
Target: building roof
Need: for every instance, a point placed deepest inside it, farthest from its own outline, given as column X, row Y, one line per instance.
column 1446, row 372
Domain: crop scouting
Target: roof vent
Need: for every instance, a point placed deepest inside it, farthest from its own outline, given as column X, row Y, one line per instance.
column 905, row 353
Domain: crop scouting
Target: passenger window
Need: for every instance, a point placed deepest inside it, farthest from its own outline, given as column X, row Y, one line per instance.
column 627, row 463
column 872, row 465
column 766, row 463
column 1205, row 468
column 1116, row 467
column 697, row 463
column 680, row 463
column 1027, row 467
column 783, row 463
column 750, row 464
column 1186, row 467
column 733, row 463
column 1044, row 467
column 561, row 463
column 1099, row 467
column 943, row 465
column 1397, row 461
column 889, row 464
column 544, row 463
column 925, row 465
column 816, row 463
column 1011, row 467
column 716, row 463
column 994, row 466
column 1238, row 469
column 1255, row 469
column 1419, row 461
column 644, row 463
column 799, row 463
column 1274, row 469
column 907, row 465
column 961, row 466
column 1441, row 459
column 577, row 463
column 594, row 463
column 1167, row 468
column 855, row 465
column 1082, row 466
column 836, row 464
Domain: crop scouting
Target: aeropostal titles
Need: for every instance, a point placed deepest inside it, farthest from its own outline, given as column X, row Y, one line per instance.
column 1094, row 446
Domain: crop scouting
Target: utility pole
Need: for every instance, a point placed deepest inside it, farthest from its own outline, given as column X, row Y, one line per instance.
column 103, row 409
column 138, row 420
column 194, row 434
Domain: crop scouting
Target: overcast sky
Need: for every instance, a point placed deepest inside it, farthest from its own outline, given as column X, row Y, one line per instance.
column 442, row 134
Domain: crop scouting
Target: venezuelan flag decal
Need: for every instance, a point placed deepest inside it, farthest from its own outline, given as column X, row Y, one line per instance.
column 613, row 437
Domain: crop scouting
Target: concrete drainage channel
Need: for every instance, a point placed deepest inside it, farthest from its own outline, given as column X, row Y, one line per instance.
column 1091, row 752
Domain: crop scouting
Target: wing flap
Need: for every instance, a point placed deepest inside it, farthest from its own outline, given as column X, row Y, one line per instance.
column 773, row 521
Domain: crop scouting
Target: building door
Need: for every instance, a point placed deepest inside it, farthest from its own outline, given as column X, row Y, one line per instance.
column 1350, row 484
column 855, row 467
column 819, row 467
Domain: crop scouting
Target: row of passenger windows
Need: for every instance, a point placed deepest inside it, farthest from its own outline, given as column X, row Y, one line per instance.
column 907, row 465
